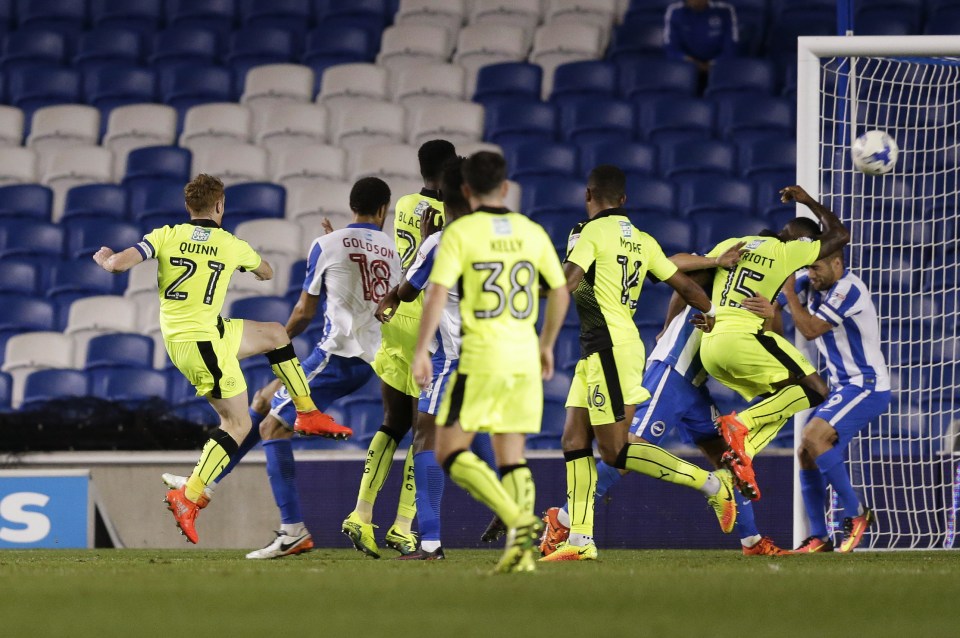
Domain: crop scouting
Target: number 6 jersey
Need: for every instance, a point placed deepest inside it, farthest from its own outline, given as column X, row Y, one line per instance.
column 351, row 270
column 195, row 261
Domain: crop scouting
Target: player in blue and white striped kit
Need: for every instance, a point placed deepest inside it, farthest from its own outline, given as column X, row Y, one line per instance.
column 833, row 308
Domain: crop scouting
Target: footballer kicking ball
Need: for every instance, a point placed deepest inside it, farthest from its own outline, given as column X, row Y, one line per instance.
column 874, row 153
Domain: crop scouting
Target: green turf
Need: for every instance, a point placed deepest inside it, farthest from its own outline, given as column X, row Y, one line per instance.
column 182, row 594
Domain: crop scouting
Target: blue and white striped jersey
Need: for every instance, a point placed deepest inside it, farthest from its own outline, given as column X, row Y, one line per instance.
column 447, row 342
column 679, row 347
column 852, row 349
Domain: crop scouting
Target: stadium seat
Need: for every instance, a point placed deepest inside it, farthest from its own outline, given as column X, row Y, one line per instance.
column 22, row 313
column 584, row 81
column 548, row 438
column 11, row 125
column 63, row 126
column 568, row 349
column 140, row 16
column 69, row 167
column 429, row 84
column 275, row 239
column 673, row 234
column 290, row 125
column 649, row 194
column 18, row 165
column 31, row 47
column 154, row 162
column 138, row 125
column 92, row 316
column 526, row 14
column 31, row 351
column 632, row 40
column 599, row 13
column 715, row 226
column 633, row 158
column 479, row 45
column 129, row 385
column 558, row 224
column 742, row 119
column 456, row 122
column 329, row 45
column 218, row 124
column 307, row 164
column 252, row 46
column 273, row 85
column 405, row 46
column 112, row 86
column 80, row 276
column 768, row 156
column 741, row 76
column 508, row 80
column 215, row 15
column 715, row 193
column 18, row 277
column 95, row 201
column 509, row 125
column 553, row 194
column 349, row 83
column 108, row 45
column 254, row 201
column 649, row 77
column 261, row 309
column 367, row 124
column 697, row 157
column 43, row 386
column 593, row 122
column 675, row 119
column 447, row 14
column 29, row 237
column 65, row 16
column 540, row 159
column 653, row 303
column 184, row 45
column 365, row 416
column 233, row 163
column 386, row 162
column 32, row 88
column 26, row 200
column 183, row 86
column 560, row 43
column 288, row 15
column 86, row 236
column 781, row 45
column 120, row 350
column 310, row 202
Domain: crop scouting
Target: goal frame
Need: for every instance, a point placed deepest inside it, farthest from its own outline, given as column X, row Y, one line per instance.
column 809, row 52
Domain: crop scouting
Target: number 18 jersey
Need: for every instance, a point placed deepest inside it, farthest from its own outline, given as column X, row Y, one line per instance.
column 195, row 262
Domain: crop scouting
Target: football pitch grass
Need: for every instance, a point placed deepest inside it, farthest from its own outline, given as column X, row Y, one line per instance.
column 207, row 594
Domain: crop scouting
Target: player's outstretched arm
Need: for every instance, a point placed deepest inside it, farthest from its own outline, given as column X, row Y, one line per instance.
column 433, row 303
column 558, row 300
column 694, row 295
column 835, row 235
column 302, row 314
column 117, row 262
column 807, row 324
column 687, row 262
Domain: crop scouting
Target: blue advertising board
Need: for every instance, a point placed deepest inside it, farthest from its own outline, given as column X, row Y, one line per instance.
column 45, row 508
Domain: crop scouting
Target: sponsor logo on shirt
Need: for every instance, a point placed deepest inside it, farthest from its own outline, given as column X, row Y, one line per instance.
column 421, row 208
column 756, row 243
column 626, row 228
column 200, row 234
column 572, row 241
column 501, row 227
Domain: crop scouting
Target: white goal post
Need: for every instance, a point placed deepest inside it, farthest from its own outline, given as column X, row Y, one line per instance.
column 905, row 232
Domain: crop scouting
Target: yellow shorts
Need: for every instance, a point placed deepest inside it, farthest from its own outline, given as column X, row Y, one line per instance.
column 750, row 363
column 608, row 380
column 498, row 403
column 394, row 360
column 212, row 366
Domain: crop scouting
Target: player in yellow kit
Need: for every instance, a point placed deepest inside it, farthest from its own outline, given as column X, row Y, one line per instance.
column 499, row 259
column 743, row 356
column 392, row 365
column 195, row 261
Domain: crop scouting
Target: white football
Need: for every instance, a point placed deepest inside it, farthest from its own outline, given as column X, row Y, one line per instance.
column 874, row 153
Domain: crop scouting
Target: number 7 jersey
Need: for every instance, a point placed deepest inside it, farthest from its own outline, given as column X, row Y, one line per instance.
column 195, row 262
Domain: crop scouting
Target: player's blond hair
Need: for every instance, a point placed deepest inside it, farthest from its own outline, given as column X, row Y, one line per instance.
column 202, row 193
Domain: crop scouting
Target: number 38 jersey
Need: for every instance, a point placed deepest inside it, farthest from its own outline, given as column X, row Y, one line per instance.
column 195, row 262
column 615, row 257
column 499, row 259
column 351, row 270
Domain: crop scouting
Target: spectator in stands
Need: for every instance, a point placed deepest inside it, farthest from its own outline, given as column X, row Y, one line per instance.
column 700, row 31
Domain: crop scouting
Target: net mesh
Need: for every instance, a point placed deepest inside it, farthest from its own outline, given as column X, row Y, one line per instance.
column 904, row 228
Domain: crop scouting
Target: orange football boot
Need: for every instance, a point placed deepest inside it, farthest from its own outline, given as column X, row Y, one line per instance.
column 554, row 532
column 316, row 423
column 184, row 512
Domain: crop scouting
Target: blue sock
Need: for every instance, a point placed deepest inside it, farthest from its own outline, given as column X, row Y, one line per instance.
column 281, row 470
column 834, row 470
column 814, row 492
column 428, row 476
column 607, row 477
column 252, row 438
column 483, row 447
column 746, row 525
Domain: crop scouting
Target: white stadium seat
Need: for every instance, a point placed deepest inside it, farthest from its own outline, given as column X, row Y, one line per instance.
column 408, row 45
column 526, row 14
column 73, row 166
column 512, row 199
column 273, row 84
column 600, row 13
column 233, row 164
column 367, row 124
column 353, row 82
column 386, row 162
column 64, row 125
column 448, row 14
column 18, row 165
column 429, row 83
column 311, row 227
column 269, row 237
column 11, row 126
column 482, row 44
column 556, row 44
column 216, row 124
column 92, row 316
column 308, row 165
column 318, row 200
column 458, row 122
column 468, row 149
column 288, row 125
column 31, row 351
column 138, row 125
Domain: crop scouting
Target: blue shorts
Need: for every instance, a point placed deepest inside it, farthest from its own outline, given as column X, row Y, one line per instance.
column 850, row 409
column 331, row 377
column 430, row 398
column 674, row 401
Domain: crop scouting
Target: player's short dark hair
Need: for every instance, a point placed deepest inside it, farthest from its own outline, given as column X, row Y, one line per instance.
column 484, row 172
column 202, row 193
column 608, row 183
column 433, row 155
column 804, row 227
column 451, row 181
column 368, row 195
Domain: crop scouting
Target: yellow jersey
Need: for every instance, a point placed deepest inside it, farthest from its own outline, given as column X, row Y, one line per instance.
column 406, row 226
column 498, row 259
column 195, row 262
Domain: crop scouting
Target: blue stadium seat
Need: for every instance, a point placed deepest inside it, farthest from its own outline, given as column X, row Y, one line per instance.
column 6, row 391
column 215, row 15
column 26, row 200
column 326, row 46
column 777, row 156
column 252, row 46
column 767, row 189
column 507, row 124
column 18, row 277
column 550, row 194
column 714, row 226
column 153, row 162
column 567, row 350
column 557, row 388
column 261, row 309
column 601, row 120
column 184, row 45
column 558, row 224
column 650, row 194
column 548, row 438
column 652, row 307
column 156, row 202
column 943, row 21
column 6, row 15
column 587, row 80
column 715, row 193
column 365, row 416
column 254, row 200
column 26, row 48
column 86, row 236
column 508, row 80
column 65, row 16
column 633, row 158
column 888, row 18
column 290, row 15
column 539, row 159
column 298, row 272
column 54, row 383
column 107, row 46
column 120, row 349
column 672, row 119
column 377, row 11
column 183, row 86
column 141, row 16
column 674, row 235
column 130, row 385
column 28, row 237
column 634, row 40
column 751, row 26
column 782, row 36
column 95, row 200
column 699, row 157
column 81, row 276
column 655, row 76
column 646, row 12
column 112, row 86
column 743, row 118
column 35, row 87
column 741, row 76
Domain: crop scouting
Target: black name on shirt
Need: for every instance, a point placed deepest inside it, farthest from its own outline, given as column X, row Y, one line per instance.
column 506, row 245
column 413, row 220
column 370, row 247
column 757, row 259
column 631, row 246
column 197, row 249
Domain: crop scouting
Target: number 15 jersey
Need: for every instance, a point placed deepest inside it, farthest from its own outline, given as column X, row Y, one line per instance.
column 195, row 262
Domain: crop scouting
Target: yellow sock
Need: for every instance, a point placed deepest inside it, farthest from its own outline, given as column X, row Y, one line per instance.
column 286, row 366
column 375, row 469
column 215, row 456
column 518, row 481
column 765, row 419
column 660, row 464
column 581, row 490
column 469, row 472
column 407, row 507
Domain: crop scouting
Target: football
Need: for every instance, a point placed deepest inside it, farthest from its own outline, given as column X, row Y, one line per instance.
column 874, row 153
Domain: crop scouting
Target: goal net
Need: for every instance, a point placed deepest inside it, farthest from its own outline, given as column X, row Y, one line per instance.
column 904, row 228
